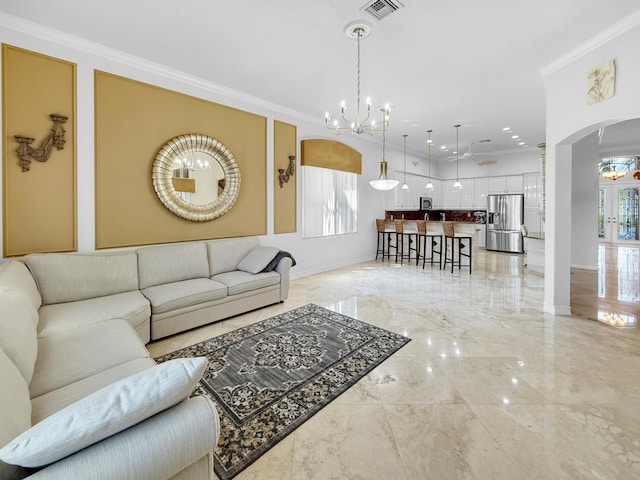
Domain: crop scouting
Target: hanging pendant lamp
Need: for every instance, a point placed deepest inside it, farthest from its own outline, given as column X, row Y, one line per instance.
column 382, row 182
column 404, row 183
column 429, row 184
column 457, row 184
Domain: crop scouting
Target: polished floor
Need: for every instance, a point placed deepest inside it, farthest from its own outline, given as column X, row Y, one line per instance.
column 489, row 387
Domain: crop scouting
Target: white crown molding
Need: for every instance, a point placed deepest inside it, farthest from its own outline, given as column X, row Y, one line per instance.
column 615, row 30
column 25, row 27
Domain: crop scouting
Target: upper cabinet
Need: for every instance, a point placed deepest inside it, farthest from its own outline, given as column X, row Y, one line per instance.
column 533, row 202
column 436, row 193
column 481, row 192
column 506, row 184
column 410, row 199
column 532, row 190
column 472, row 194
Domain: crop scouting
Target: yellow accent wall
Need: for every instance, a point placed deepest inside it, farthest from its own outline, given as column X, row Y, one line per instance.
column 284, row 199
column 133, row 121
column 39, row 206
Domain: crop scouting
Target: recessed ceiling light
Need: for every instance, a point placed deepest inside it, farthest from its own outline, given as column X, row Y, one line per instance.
column 521, row 143
column 506, row 129
column 443, row 147
column 515, row 136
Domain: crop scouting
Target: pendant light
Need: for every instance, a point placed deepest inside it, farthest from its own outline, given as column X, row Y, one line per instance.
column 382, row 182
column 429, row 184
column 457, row 184
column 404, row 184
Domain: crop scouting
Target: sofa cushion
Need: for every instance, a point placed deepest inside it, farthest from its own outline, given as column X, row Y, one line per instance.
column 49, row 403
column 105, row 412
column 68, row 277
column 257, row 259
column 240, row 282
column 71, row 355
column 15, row 414
column 172, row 263
column 172, row 296
column 18, row 337
column 131, row 306
column 15, row 274
column 225, row 254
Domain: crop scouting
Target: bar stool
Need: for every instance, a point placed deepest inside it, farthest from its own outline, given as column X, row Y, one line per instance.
column 427, row 233
column 401, row 234
column 384, row 244
column 455, row 243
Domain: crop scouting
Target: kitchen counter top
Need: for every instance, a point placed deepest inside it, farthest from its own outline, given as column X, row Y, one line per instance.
column 459, row 216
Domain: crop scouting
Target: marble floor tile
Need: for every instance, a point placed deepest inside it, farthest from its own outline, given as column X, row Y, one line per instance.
column 447, row 442
column 489, row 387
column 346, row 441
column 567, row 441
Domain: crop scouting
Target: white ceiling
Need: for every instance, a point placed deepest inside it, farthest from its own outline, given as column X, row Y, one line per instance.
column 438, row 62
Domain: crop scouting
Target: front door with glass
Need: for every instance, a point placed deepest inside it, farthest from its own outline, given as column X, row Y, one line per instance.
column 618, row 212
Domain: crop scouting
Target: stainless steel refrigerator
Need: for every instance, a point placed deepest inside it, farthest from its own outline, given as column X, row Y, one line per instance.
column 505, row 216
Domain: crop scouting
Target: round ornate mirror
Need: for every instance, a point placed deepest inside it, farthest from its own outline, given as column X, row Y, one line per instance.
column 196, row 177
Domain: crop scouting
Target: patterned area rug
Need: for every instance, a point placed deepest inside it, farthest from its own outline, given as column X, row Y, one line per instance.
column 270, row 377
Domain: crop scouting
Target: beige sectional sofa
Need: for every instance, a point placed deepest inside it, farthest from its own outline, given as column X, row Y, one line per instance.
column 193, row 284
column 72, row 335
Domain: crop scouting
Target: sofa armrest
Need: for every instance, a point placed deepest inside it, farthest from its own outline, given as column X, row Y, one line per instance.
column 283, row 268
column 155, row 449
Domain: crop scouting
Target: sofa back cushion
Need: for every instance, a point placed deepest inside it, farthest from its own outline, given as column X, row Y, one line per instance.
column 171, row 263
column 69, row 277
column 225, row 254
column 15, row 414
column 18, row 331
column 16, row 275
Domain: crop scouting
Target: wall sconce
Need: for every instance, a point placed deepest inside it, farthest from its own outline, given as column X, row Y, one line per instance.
column 284, row 175
column 41, row 154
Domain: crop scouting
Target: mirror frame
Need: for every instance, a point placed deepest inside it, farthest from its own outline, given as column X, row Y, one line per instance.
column 162, row 174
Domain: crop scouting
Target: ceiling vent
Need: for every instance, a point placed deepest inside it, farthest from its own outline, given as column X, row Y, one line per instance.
column 382, row 8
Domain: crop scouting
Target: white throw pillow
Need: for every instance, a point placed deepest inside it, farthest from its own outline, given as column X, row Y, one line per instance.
column 105, row 412
column 257, row 259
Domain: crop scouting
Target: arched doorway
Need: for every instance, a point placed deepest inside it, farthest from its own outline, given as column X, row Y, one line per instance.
column 602, row 279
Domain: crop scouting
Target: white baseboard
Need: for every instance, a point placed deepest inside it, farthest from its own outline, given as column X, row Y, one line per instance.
column 325, row 268
column 561, row 310
column 585, row 267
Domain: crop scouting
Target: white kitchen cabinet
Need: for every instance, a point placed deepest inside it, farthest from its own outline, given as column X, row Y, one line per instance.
column 514, row 184
column 481, row 189
column 461, row 197
column 532, row 190
column 436, row 194
column 506, row 184
column 533, row 202
column 451, row 195
column 467, row 195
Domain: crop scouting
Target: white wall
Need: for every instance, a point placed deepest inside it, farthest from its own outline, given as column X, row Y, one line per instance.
column 569, row 119
column 312, row 255
column 584, row 203
column 507, row 163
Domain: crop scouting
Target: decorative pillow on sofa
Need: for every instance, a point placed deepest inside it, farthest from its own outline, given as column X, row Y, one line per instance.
column 257, row 259
column 105, row 412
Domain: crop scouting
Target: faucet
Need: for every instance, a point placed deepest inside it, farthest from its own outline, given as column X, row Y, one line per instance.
column 426, row 217
column 443, row 217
